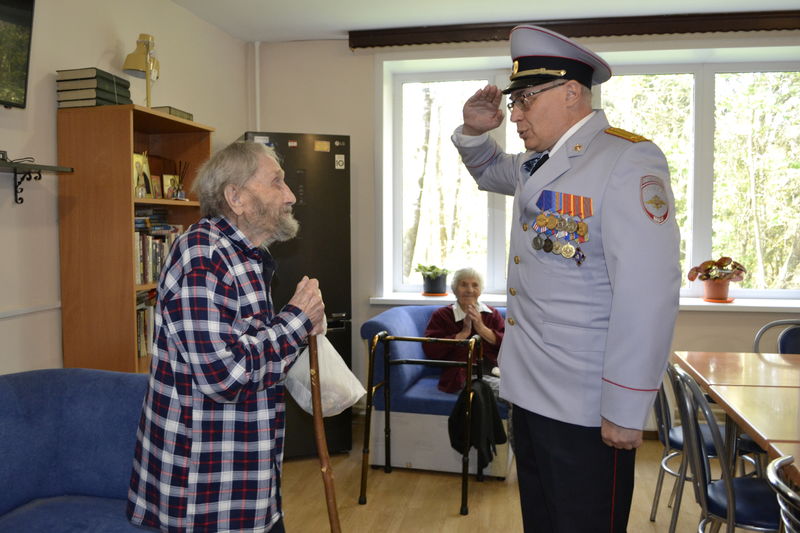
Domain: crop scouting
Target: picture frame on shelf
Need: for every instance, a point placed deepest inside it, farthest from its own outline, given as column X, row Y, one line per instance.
column 156, row 183
column 172, row 184
column 142, row 184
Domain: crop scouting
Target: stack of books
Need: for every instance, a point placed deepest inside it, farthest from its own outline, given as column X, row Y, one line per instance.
column 86, row 87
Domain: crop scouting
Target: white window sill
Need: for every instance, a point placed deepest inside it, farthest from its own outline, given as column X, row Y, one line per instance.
column 748, row 305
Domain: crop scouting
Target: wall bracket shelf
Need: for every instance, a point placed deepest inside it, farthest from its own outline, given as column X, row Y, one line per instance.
column 26, row 172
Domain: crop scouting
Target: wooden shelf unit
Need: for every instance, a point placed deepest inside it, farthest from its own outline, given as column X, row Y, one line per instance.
column 96, row 223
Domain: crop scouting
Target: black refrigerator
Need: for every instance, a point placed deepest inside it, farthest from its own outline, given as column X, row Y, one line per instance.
column 317, row 170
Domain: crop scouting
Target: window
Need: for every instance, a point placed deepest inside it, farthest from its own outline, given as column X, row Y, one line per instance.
column 443, row 212
column 756, row 202
column 741, row 197
column 660, row 107
column 731, row 135
column 440, row 216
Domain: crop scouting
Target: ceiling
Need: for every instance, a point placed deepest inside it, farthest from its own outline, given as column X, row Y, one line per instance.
column 302, row 20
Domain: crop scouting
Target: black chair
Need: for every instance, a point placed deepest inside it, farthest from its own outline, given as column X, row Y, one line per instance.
column 745, row 502
column 788, row 498
column 788, row 339
column 672, row 437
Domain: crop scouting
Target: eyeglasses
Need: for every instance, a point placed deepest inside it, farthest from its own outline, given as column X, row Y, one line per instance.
column 522, row 101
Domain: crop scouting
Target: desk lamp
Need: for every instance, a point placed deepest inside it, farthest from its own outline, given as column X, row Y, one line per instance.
column 141, row 63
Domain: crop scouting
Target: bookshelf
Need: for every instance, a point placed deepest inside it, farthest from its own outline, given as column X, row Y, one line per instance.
column 96, row 223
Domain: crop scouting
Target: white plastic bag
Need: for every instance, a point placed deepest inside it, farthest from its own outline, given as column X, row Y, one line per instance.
column 339, row 387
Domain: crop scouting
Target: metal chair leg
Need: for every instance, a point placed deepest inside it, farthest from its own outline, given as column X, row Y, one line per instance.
column 467, row 444
column 387, row 430
column 659, row 482
column 362, row 498
column 678, row 489
column 675, row 485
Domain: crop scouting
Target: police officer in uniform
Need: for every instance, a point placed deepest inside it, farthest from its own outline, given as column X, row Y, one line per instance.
column 593, row 281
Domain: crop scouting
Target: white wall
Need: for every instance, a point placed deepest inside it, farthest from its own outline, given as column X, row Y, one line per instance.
column 203, row 71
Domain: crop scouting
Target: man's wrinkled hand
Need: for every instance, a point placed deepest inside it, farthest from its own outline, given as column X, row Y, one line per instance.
column 308, row 298
column 620, row 437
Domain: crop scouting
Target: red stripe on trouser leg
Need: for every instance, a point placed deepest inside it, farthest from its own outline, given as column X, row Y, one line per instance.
column 613, row 490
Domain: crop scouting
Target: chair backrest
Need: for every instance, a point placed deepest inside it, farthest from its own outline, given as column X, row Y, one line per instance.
column 788, row 339
column 403, row 321
column 694, row 410
column 663, row 415
column 68, row 431
column 788, row 498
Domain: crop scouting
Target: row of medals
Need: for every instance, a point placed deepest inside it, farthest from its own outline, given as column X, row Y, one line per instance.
column 565, row 230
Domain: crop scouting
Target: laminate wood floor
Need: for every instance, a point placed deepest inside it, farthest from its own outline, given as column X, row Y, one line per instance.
column 422, row 501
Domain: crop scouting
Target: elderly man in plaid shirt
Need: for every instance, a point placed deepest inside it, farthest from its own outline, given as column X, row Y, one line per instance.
column 210, row 440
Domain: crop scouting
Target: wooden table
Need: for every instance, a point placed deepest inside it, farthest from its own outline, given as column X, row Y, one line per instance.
column 760, row 392
column 737, row 368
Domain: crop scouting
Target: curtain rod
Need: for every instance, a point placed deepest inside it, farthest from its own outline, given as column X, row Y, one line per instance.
column 594, row 27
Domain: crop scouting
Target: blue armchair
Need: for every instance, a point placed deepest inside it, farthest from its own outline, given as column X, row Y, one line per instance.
column 67, row 438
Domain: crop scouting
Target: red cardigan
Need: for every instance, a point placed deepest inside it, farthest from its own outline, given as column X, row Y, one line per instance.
column 443, row 325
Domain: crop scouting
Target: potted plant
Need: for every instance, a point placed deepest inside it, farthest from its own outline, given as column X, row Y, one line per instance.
column 717, row 276
column 434, row 280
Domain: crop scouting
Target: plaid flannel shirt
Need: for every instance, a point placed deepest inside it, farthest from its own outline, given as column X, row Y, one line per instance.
column 210, row 440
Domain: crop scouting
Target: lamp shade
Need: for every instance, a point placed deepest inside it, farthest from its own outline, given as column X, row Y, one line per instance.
column 136, row 62
column 141, row 63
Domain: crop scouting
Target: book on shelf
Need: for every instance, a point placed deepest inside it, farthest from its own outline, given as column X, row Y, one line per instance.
column 78, row 94
column 89, row 102
column 152, row 243
column 145, row 322
column 89, row 72
column 116, row 84
column 174, row 112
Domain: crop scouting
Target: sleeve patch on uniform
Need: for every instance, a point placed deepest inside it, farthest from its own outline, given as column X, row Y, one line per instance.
column 653, row 195
column 628, row 136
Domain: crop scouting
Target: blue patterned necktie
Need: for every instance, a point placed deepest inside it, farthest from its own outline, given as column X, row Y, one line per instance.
column 532, row 165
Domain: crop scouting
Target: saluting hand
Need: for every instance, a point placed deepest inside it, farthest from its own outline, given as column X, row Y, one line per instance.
column 482, row 111
column 308, row 298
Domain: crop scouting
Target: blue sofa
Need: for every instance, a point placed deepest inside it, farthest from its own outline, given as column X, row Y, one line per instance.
column 419, row 410
column 66, row 447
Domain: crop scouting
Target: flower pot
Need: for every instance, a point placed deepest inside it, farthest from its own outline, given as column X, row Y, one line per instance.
column 716, row 290
column 434, row 286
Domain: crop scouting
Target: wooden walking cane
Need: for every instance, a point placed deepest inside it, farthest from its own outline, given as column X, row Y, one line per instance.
column 319, row 433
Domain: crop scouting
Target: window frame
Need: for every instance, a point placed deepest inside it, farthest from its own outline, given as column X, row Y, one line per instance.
column 701, row 182
column 460, row 63
column 496, row 233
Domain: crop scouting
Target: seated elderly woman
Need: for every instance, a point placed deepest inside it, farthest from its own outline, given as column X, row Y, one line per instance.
column 462, row 320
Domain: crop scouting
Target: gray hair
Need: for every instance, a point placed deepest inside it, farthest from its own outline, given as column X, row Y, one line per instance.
column 466, row 273
column 233, row 165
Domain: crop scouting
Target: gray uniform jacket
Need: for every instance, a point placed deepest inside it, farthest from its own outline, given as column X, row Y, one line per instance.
column 593, row 340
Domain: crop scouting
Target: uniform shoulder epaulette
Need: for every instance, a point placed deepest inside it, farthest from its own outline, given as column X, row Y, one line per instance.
column 628, row 136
